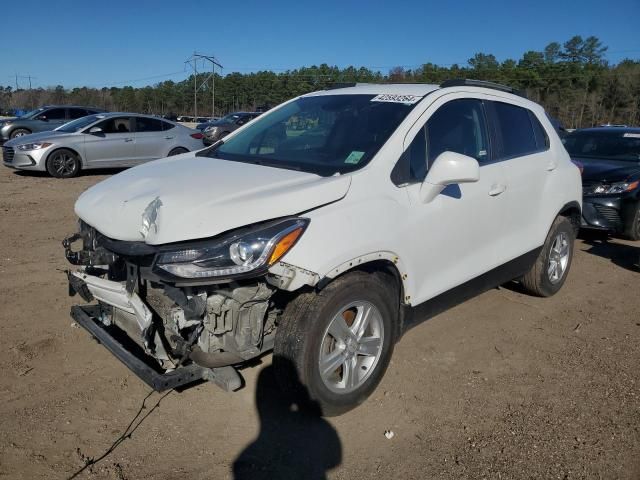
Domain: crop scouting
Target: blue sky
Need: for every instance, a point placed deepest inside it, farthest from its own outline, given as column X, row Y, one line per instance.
column 126, row 42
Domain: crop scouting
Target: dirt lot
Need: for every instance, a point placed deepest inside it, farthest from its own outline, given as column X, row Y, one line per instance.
column 503, row 386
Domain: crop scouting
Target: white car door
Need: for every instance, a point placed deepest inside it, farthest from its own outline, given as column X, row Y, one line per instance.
column 523, row 147
column 461, row 228
column 150, row 139
column 113, row 146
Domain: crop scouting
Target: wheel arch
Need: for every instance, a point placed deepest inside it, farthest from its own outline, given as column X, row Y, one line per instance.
column 19, row 128
column 57, row 149
column 573, row 212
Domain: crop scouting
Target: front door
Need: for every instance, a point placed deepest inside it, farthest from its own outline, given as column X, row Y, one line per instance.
column 114, row 146
column 455, row 237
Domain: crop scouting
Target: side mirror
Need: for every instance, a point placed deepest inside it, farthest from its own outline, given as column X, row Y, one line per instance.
column 448, row 168
column 240, row 122
column 43, row 118
column 95, row 130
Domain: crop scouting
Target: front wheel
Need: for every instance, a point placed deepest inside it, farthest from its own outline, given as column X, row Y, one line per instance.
column 551, row 268
column 632, row 230
column 332, row 347
column 19, row 132
column 63, row 163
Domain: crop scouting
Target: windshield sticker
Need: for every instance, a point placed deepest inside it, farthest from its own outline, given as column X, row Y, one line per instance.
column 395, row 98
column 354, row 157
column 631, row 135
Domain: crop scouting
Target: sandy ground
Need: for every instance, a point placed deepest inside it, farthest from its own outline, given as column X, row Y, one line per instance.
column 503, row 386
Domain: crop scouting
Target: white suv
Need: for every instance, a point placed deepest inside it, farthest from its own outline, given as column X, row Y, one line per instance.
column 323, row 230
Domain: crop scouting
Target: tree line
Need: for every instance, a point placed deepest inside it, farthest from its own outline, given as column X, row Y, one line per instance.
column 572, row 80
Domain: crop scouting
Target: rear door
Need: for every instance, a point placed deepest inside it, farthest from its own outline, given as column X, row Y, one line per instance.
column 114, row 146
column 523, row 150
column 152, row 139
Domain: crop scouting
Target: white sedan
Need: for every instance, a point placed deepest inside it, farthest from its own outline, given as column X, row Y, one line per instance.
column 103, row 140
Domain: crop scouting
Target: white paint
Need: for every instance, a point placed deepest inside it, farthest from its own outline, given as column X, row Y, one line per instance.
column 504, row 211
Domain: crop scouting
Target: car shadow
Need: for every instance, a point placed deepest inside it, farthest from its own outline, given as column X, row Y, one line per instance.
column 621, row 254
column 83, row 173
column 294, row 442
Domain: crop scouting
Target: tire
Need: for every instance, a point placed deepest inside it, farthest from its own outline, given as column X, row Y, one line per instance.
column 177, row 151
column 304, row 333
column 632, row 230
column 63, row 163
column 19, row 132
column 551, row 268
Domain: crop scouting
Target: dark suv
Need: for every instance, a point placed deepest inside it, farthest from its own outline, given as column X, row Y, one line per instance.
column 611, row 177
column 42, row 119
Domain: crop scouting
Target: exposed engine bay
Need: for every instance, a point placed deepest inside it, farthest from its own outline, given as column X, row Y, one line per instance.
column 209, row 323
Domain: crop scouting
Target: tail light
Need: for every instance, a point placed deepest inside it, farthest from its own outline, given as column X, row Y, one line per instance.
column 197, row 136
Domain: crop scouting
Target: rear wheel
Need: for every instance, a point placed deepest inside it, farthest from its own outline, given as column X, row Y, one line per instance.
column 19, row 132
column 550, row 271
column 177, row 151
column 332, row 347
column 63, row 163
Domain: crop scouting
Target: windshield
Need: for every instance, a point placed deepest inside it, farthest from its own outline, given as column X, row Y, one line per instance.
column 32, row 113
column 231, row 118
column 79, row 124
column 624, row 146
column 324, row 134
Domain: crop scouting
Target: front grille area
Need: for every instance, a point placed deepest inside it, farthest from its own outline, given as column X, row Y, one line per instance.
column 611, row 215
column 7, row 154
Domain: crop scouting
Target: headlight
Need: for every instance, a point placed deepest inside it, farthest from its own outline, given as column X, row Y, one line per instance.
column 612, row 188
column 235, row 254
column 33, row 146
column 210, row 129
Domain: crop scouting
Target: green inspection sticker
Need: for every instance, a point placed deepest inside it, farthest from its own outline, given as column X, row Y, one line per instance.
column 354, row 157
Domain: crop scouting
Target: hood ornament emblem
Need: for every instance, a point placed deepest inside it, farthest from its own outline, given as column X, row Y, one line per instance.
column 150, row 217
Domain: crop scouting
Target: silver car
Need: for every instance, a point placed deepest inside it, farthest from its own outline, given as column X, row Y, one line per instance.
column 42, row 119
column 100, row 141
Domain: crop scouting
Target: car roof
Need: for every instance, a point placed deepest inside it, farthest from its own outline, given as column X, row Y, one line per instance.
column 129, row 114
column 72, row 106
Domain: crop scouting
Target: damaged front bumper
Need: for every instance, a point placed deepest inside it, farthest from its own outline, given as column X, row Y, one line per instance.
column 87, row 316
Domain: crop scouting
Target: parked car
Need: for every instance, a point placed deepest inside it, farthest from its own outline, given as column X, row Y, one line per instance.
column 217, row 129
column 610, row 157
column 42, row 119
column 325, row 244
column 100, row 141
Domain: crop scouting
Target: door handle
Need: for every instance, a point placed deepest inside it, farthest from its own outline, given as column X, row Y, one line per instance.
column 497, row 189
column 128, row 139
column 551, row 165
column 168, row 138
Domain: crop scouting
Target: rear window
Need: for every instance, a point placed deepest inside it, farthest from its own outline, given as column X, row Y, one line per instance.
column 623, row 146
column 517, row 131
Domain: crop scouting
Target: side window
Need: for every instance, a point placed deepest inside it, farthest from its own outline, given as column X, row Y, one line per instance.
column 54, row 114
column 75, row 113
column 167, row 126
column 516, row 130
column 146, row 124
column 458, row 126
column 542, row 139
column 116, row 125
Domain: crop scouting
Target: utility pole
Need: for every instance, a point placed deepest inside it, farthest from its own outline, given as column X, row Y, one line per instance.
column 214, row 62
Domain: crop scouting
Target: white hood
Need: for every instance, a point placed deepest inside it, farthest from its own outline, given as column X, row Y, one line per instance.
column 187, row 198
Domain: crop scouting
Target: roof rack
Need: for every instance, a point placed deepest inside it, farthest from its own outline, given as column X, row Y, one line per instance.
column 336, row 85
column 467, row 82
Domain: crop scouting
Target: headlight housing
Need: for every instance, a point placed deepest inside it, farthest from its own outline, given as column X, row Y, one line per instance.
column 610, row 188
column 235, row 254
column 210, row 129
column 33, row 146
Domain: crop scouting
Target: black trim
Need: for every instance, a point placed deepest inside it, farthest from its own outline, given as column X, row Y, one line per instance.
column 468, row 82
column 84, row 316
column 415, row 315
